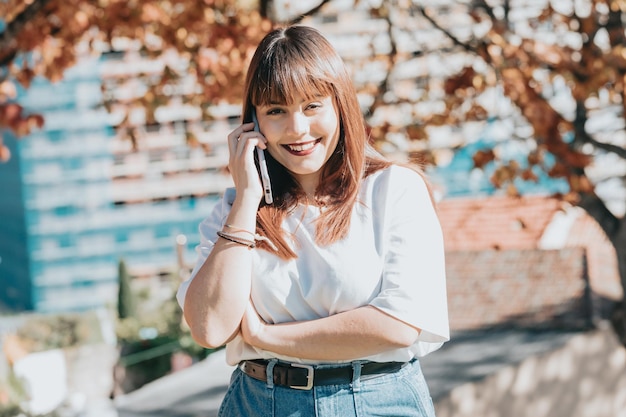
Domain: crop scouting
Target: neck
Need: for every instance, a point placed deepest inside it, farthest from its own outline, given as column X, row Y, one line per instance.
column 309, row 184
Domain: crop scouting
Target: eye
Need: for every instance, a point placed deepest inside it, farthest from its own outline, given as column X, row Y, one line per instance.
column 274, row 110
column 314, row 105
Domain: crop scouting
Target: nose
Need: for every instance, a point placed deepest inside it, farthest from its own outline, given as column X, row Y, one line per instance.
column 298, row 124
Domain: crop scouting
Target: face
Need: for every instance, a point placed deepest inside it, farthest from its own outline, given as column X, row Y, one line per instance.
column 301, row 136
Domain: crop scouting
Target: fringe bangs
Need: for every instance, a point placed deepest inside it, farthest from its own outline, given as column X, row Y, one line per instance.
column 281, row 77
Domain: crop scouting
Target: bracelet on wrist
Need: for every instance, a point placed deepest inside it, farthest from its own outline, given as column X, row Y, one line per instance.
column 251, row 244
column 255, row 236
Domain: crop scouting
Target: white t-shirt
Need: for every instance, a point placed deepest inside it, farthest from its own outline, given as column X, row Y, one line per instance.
column 392, row 259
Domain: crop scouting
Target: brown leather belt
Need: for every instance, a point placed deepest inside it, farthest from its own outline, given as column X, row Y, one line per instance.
column 305, row 377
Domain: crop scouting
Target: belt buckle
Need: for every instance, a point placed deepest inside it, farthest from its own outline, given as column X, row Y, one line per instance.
column 309, row 377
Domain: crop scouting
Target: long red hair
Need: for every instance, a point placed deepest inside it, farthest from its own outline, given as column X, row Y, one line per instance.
column 299, row 60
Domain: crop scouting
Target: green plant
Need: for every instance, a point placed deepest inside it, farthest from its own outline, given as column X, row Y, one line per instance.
column 126, row 305
column 148, row 338
column 17, row 411
column 57, row 331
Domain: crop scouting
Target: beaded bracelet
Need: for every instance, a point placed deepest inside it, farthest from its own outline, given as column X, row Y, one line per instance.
column 235, row 239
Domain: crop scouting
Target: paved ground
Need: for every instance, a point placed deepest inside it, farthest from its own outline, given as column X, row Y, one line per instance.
column 197, row 391
column 193, row 392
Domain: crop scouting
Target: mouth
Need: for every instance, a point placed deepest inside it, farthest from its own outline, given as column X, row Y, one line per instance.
column 301, row 149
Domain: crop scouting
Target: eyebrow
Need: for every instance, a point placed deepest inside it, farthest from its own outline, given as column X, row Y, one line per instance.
column 315, row 97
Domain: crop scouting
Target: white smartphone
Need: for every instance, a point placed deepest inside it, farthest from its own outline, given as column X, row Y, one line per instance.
column 265, row 176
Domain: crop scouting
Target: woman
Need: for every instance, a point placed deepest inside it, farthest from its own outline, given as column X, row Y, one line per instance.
column 326, row 297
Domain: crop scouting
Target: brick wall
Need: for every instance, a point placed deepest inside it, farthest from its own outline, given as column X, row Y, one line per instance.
column 521, row 287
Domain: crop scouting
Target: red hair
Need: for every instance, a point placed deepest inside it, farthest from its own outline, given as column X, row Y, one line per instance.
column 299, row 61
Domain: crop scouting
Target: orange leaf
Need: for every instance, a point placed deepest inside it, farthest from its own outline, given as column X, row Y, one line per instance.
column 5, row 153
column 462, row 80
column 558, row 170
column 35, row 120
column 529, row 175
column 416, row 132
column 535, row 158
column 482, row 157
column 7, row 89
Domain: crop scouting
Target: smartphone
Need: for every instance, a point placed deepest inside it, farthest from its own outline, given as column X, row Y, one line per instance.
column 265, row 176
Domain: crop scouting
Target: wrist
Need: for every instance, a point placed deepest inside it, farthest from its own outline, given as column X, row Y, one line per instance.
column 246, row 204
column 243, row 213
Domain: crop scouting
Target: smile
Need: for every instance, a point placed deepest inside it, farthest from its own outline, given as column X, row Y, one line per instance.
column 301, row 148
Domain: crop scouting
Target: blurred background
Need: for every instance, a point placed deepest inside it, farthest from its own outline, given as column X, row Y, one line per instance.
column 113, row 120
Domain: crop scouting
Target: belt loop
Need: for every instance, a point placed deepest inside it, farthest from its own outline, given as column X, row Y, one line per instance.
column 269, row 373
column 356, row 375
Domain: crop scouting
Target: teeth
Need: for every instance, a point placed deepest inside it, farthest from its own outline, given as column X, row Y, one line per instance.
column 302, row 147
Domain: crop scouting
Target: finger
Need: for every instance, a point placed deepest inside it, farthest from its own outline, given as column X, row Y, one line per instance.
column 240, row 129
column 241, row 161
column 245, row 148
column 235, row 136
column 256, row 137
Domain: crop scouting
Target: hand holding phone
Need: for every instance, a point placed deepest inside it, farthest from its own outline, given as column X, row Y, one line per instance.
column 265, row 176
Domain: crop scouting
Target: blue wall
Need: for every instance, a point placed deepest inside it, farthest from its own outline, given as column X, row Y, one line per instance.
column 14, row 266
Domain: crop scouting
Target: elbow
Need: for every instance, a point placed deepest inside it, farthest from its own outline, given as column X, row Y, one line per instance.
column 399, row 334
column 406, row 336
column 209, row 336
column 206, row 330
column 210, row 339
column 205, row 341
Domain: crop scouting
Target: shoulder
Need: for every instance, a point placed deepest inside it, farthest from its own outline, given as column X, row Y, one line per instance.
column 397, row 189
column 396, row 178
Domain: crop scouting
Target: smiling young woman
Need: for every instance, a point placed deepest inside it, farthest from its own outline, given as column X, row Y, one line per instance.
column 301, row 136
column 327, row 297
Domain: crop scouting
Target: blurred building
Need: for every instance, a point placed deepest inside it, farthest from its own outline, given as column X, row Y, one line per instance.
column 76, row 198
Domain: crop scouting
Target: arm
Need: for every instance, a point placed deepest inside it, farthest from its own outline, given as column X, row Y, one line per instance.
column 217, row 296
column 349, row 335
column 411, row 304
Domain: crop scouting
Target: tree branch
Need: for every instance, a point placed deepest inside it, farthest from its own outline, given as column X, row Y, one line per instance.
column 449, row 35
column 617, row 150
column 582, row 136
column 310, row 12
column 392, row 57
column 264, row 7
column 595, row 207
column 482, row 4
column 8, row 44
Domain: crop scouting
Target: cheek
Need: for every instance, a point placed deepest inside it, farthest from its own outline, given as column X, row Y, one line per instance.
column 329, row 124
column 271, row 133
column 332, row 124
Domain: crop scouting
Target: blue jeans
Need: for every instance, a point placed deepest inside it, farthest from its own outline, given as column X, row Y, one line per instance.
column 400, row 394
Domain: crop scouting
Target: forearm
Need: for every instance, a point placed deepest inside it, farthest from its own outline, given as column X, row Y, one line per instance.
column 350, row 335
column 217, row 296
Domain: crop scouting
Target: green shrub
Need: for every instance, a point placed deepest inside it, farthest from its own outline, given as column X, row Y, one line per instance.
column 58, row 331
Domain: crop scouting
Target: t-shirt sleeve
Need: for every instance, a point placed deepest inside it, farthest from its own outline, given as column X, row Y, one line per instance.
column 413, row 286
column 208, row 229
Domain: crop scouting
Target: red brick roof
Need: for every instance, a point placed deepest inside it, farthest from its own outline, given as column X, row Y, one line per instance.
column 496, row 222
column 499, row 269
